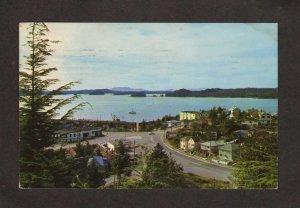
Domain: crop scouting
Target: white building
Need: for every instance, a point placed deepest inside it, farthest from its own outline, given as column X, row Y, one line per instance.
column 188, row 115
column 110, row 146
column 78, row 135
column 265, row 118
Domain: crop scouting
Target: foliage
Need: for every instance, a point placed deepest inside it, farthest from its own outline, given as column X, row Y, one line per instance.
column 175, row 142
column 37, row 110
column 95, row 176
column 157, row 170
column 120, row 160
column 258, row 166
column 217, row 92
column 228, row 127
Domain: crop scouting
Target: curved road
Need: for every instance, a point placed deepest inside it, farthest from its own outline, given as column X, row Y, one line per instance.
column 190, row 165
column 195, row 166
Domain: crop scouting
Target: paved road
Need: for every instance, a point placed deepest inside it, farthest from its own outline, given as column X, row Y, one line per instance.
column 195, row 166
column 144, row 138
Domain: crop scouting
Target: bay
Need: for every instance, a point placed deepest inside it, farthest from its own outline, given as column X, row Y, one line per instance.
column 103, row 107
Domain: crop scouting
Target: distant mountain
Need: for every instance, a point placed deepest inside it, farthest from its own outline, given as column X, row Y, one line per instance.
column 126, row 89
column 217, row 92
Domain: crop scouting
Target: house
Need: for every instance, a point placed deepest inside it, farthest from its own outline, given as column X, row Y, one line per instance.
column 211, row 146
column 101, row 162
column 241, row 134
column 72, row 135
column 173, row 123
column 192, row 142
column 265, row 118
column 184, row 143
column 228, row 153
column 188, row 115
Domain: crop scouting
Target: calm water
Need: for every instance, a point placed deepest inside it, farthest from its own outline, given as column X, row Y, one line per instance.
column 150, row 108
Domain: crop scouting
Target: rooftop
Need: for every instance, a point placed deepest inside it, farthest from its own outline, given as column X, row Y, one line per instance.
column 229, row 147
column 213, row 143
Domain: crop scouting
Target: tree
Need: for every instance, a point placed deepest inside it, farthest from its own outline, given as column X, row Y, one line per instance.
column 38, row 105
column 120, row 160
column 196, row 127
column 158, row 170
column 95, row 176
column 258, row 165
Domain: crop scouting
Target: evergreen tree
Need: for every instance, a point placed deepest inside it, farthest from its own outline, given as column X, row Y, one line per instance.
column 95, row 176
column 258, row 165
column 120, row 160
column 158, row 170
column 38, row 107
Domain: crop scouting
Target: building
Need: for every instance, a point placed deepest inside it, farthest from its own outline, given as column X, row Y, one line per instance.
column 173, row 123
column 73, row 135
column 241, row 134
column 228, row 153
column 188, row 115
column 211, row 146
column 265, row 118
column 192, row 142
column 100, row 162
column 110, row 146
column 184, row 143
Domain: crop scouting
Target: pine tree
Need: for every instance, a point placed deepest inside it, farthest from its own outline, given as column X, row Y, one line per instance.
column 120, row 160
column 258, row 166
column 159, row 170
column 38, row 105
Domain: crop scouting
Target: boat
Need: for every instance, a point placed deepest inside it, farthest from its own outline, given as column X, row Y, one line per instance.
column 132, row 112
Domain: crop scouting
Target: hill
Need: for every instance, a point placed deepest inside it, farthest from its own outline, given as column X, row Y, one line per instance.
column 217, row 92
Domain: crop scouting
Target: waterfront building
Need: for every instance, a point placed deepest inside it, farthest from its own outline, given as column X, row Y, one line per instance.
column 73, row 135
column 190, row 115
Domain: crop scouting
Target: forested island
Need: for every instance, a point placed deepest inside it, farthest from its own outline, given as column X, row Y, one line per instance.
column 212, row 92
column 217, row 92
column 138, row 94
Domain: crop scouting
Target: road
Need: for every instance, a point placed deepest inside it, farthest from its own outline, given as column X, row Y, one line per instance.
column 190, row 165
column 197, row 167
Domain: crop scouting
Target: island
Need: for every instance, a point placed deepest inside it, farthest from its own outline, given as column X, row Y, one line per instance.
column 138, row 94
column 217, row 92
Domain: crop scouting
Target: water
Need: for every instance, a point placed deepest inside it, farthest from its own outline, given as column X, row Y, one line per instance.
column 151, row 108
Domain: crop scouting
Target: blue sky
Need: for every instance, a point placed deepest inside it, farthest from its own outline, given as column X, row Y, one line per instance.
column 159, row 56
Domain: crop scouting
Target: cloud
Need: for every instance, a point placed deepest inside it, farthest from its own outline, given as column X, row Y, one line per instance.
column 143, row 55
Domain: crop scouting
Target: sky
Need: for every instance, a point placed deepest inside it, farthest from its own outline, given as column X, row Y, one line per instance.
column 161, row 56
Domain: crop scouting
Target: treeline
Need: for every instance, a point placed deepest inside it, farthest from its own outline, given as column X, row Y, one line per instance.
column 217, row 92
column 106, row 91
